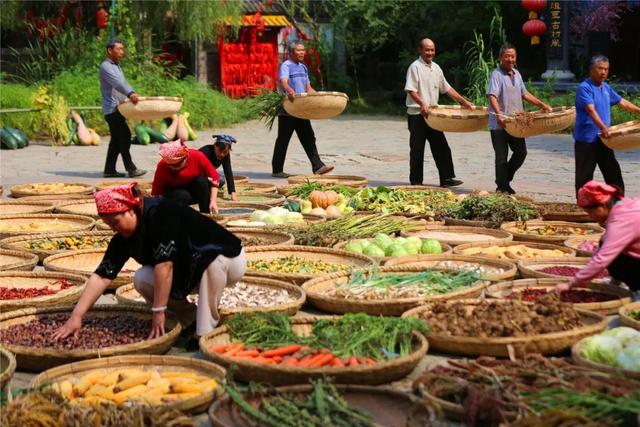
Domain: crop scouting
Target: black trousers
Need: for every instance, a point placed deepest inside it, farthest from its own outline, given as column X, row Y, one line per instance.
column 588, row 156
column 302, row 127
column 198, row 191
column 627, row 270
column 506, row 167
column 119, row 144
column 419, row 133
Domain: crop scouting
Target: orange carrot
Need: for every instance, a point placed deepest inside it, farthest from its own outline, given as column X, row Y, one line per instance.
column 282, row 351
column 291, row 362
column 308, row 361
column 233, row 349
column 353, row 361
column 265, row 360
column 323, row 360
column 278, row 359
column 219, row 348
column 251, row 353
column 370, row 361
column 337, row 363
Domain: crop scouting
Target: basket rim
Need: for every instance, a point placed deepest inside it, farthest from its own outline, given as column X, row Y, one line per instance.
column 541, row 115
column 58, row 297
column 579, row 359
column 7, row 374
column 556, row 238
column 623, row 129
column 445, row 112
column 153, row 98
column 321, row 93
column 536, row 245
column 625, row 318
column 27, row 259
column 20, row 190
column 48, row 260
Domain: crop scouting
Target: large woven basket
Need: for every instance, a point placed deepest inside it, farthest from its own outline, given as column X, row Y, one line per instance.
column 45, row 189
column 84, row 207
column 626, row 319
column 551, row 343
column 19, row 207
column 145, row 186
column 268, row 253
column 269, row 199
column 541, row 122
column 317, row 105
column 623, row 137
column 503, row 289
column 229, row 212
column 71, row 222
column 21, row 242
column 102, row 226
column 162, row 364
column 150, row 107
column 17, row 260
column 38, row 359
column 446, row 249
column 7, row 367
column 316, row 295
column 348, row 180
column 272, row 237
column 574, row 243
column 255, row 187
column 529, row 268
column 454, row 118
column 503, row 270
column 511, row 227
column 40, row 279
column 467, row 222
column 579, row 359
column 462, row 234
column 85, row 262
column 380, row 373
column 478, row 249
column 56, row 199
column 569, row 212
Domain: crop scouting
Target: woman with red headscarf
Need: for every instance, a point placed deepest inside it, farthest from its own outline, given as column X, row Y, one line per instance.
column 180, row 251
column 619, row 250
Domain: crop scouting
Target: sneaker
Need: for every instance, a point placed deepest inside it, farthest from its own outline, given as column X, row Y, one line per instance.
column 451, row 182
column 280, row 175
column 137, row 172
column 114, row 175
column 324, row 169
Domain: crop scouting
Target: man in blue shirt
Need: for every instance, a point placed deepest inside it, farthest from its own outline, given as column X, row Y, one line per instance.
column 294, row 79
column 594, row 99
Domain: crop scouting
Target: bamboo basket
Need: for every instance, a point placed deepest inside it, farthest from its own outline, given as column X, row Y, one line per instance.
column 454, row 118
column 269, row 199
column 223, row 211
column 380, row 373
column 150, row 107
column 467, row 222
column 542, row 122
column 503, row 289
column 21, row 242
column 579, row 359
column 275, row 238
column 578, row 215
column 102, row 226
column 11, row 260
column 74, row 222
column 86, row 208
column 85, row 262
column 593, row 230
column 623, row 137
column 7, row 367
column 315, row 289
column 347, row 180
column 492, row 235
column 57, row 199
column 546, row 344
column 626, row 319
column 40, row 279
column 20, row 207
column 145, row 186
column 39, row 359
column 255, row 187
column 446, row 249
column 460, row 249
column 317, row 105
column 505, row 269
column 23, row 190
column 574, row 243
column 269, row 253
column 529, row 268
column 193, row 405
column 240, row 179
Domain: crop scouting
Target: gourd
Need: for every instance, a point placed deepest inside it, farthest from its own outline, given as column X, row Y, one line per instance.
column 323, row 199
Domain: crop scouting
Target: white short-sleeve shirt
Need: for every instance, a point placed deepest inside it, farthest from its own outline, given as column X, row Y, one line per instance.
column 426, row 79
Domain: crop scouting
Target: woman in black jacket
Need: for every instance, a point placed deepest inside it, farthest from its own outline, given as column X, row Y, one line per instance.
column 219, row 153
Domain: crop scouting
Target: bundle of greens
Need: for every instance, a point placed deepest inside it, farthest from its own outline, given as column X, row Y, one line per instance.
column 266, row 107
column 430, row 203
column 494, row 208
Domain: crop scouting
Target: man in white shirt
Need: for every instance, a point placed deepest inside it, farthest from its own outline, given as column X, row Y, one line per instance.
column 425, row 82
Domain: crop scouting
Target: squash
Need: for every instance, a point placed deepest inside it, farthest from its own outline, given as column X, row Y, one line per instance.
column 171, row 130
column 323, row 199
column 333, row 212
column 318, row 212
column 84, row 136
column 182, row 132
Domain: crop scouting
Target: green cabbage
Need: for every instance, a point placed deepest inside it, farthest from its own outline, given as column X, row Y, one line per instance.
column 629, row 359
column 622, row 334
column 601, row 349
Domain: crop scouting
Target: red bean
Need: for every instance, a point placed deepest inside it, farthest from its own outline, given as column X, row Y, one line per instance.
column 21, row 293
column 567, row 271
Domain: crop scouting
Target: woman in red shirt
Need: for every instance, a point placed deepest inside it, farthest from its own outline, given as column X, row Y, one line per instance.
column 186, row 176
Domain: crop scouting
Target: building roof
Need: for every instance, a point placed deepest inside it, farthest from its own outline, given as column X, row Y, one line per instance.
column 250, row 7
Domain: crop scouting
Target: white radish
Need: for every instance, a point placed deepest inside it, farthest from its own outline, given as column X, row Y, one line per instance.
column 182, row 132
column 84, row 136
column 170, row 132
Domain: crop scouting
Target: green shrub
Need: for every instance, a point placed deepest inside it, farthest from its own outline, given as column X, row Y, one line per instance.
column 14, row 95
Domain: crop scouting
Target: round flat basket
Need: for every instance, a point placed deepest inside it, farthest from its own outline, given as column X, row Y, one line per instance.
column 575, row 242
column 317, row 288
column 446, row 249
column 162, row 364
column 454, row 118
column 551, row 343
column 85, row 262
column 625, row 315
column 255, row 187
column 102, row 226
column 57, row 199
column 317, row 105
column 573, row 229
column 552, row 211
column 531, row 268
column 30, row 224
column 145, row 186
column 269, row 199
column 41, row 280
column 7, row 367
column 343, row 260
column 621, row 296
column 11, row 260
column 87, row 208
column 514, row 251
column 380, row 373
column 51, row 189
column 579, row 359
column 82, row 239
column 348, row 180
column 623, row 137
column 386, row 407
column 467, row 222
column 240, row 179
column 458, row 235
column 262, row 237
column 8, row 207
column 37, row 359
column 524, row 125
column 150, row 107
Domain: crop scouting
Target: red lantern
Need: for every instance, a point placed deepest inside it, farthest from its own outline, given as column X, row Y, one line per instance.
column 102, row 16
column 534, row 28
column 534, row 5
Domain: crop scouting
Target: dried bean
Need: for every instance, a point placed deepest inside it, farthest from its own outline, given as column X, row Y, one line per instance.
column 567, row 271
column 21, row 293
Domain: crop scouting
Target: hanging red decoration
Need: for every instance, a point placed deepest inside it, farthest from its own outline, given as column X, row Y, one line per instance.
column 102, row 17
column 534, row 28
column 535, row 6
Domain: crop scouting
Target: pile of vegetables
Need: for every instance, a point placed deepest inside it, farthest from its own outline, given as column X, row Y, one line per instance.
column 494, row 208
column 275, row 216
column 568, row 271
column 512, row 252
column 295, row 265
column 79, row 133
column 431, row 204
column 12, row 139
column 326, row 204
column 303, row 191
column 553, row 230
column 573, row 296
column 243, row 295
column 617, row 347
column 384, row 245
column 68, row 243
column 635, row 315
column 21, row 293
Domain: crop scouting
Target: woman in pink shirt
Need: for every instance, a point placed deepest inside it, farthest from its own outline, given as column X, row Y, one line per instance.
column 619, row 250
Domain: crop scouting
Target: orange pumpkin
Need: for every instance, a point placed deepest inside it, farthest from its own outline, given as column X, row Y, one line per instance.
column 323, row 199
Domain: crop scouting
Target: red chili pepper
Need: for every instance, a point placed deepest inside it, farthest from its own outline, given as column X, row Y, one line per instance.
column 21, row 293
column 567, row 271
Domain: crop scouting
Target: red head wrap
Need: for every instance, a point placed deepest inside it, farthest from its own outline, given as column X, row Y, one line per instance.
column 596, row 193
column 116, row 199
column 173, row 152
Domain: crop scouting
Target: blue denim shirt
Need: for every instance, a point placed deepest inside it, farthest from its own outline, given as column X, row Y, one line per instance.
column 113, row 86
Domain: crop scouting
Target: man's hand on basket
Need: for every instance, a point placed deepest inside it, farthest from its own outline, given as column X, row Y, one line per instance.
column 547, row 108
column 424, row 110
column 466, row 104
column 134, row 98
column 604, row 132
column 291, row 94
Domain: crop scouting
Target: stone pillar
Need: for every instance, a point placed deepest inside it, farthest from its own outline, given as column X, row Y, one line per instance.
column 558, row 42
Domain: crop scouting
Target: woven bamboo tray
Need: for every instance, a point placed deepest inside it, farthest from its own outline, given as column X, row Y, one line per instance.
column 541, row 122
column 269, row 253
column 579, row 359
column 462, row 234
column 85, row 262
column 240, row 179
column 348, row 180
column 509, row 270
column 574, row 243
column 8, row 207
column 162, row 364
column 7, row 367
column 38, row 359
column 467, row 222
column 454, row 118
column 11, row 260
column 551, row 343
column 446, row 249
column 102, row 226
column 503, row 289
column 56, row 199
column 73, row 222
column 380, row 373
column 577, row 215
column 315, row 289
column 255, row 187
column 595, row 231
column 150, row 107
column 36, row 189
column 145, row 186
column 623, row 137
column 40, row 279
column 626, row 319
column 275, row 238
column 21, row 242
column 529, row 268
column 460, row 249
column 269, row 199
column 87, row 208
column 317, row 105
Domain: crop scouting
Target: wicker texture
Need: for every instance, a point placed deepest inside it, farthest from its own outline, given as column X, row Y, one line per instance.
column 579, row 359
column 56, row 199
column 494, row 236
column 8, row 207
column 317, row 105
column 255, row 187
column 551, row 343
column 459, row 250
column 145, row 186
column 74, row 223
column 454, row 118
column 548, row 214
column 446, row 249
column 626, row 319
column 555, row 238
column 574, row 243
column 467, row 222
column 20, row 242
column 192, row 405
column 275, row 238
column 542, row 122
column 249, row 197
column 348, row 180
column 7, row 367
column 381, row 372
column 529, row 268
column 150, row 107
column 23, row 190
column 623, row 137
column 102, row 226
column 87, row 208
column 34, row 359
column 240, row 179
column 40, row 279
column 17, row 260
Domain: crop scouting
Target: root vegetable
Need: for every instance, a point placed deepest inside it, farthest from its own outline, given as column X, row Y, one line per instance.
column 83, row 133
column 171, row 131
